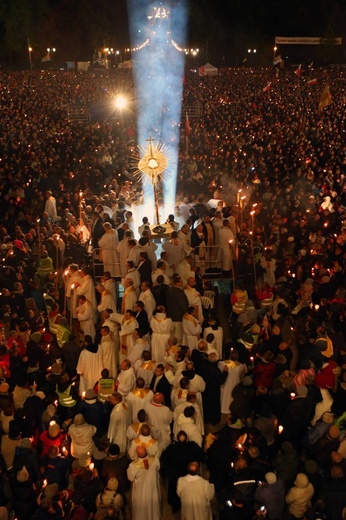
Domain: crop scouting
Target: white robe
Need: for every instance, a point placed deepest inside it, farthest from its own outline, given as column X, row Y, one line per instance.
column 194, row 299
column 107, row 302
column 175, row 252
column 162, row 328
column 87, row 289
column 149, row 302
column 146, row 495
column 148, row 442
column 227, row 249
column 108, row 243
column 235, row 372
column 72, row 293
column 160, row 416
column 185, row 271
column 109, row 357
column 123, row 250
column 218, row 341
column 188, row 425
column 119, row 421
column 195, row 494
column 137, row 399
column 85, row 317
column 179, row 409
column 89, row 368
column 146, row 371
column 110, row 286
column 126, row 381
column 191, row 331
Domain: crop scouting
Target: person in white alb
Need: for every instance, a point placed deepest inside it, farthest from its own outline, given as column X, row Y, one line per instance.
column 195, row 494
column 107, row 300
column 138, row 397
column 160, row 417
column 85, row 317
column 119, row 421
column 191, row 329
column 162, row 328
column 126, row 378
column 108, row 243
column 194, row 297
column 146, row 296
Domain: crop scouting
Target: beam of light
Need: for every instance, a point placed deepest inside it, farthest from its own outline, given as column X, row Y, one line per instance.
column 158, row 72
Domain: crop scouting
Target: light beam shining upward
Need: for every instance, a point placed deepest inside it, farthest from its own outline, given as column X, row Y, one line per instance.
column 158, row 71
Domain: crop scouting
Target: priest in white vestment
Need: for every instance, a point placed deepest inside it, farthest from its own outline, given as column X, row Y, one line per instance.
column 162, row 328
column 191, row 329
column 108, row 243
column 146, row 495
column 119, row 421
column 195, row 494
column 85, row 317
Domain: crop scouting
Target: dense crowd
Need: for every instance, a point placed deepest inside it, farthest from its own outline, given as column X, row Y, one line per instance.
column 118, row 367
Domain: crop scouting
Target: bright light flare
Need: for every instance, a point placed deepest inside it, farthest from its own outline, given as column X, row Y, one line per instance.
column 120, row 102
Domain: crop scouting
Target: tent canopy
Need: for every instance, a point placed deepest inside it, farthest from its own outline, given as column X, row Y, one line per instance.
column 208, row 70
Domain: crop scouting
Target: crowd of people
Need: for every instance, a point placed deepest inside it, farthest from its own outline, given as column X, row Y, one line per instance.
column 118, row 368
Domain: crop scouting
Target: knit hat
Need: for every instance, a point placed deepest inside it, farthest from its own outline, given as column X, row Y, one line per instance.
column 47, row 337
column 333, row 432
column 90, row 394
column 311, row 467
column 51, row 410
column 25, row 443
column 36, row 337
column 247, row 381
column 79, row 419
column 50, row 490
column 270, row 477
column 301, row 480
column 112, row 484
column 53, row 430
column 23, row 475
column 84, row 460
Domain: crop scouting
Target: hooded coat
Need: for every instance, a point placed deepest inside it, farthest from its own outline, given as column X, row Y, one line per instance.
column 299, row 496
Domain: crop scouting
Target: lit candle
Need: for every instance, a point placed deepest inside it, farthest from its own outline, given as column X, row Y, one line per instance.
column 91, row 465
column 280, row 429
column 83, row 395
column 292, row 394
column 45, row 483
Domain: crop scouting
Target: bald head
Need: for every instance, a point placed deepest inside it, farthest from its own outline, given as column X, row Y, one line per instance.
column 141, row 452
column 158, row 398
column 193, row 468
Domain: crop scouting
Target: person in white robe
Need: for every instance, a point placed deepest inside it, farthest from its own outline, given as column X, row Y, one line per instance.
column 128, row 324
column 107, row 300
column 160, row 417
column 146, row 493
column 186, row 422
column 236, row 372
column 191, row 400
column 50, row 206
column 126, row 378
column 109, row 284
column 175, row 250
column 138, row 398
column 72, row 278
column 191, row 329
column 123, row 250
column 129, row 296
column 108, row 243
column 218, row 338
column 195, row 494
column 87, row 289
column 135, row 249
column 149, row 247
column 89, row 366
column 119, row 421
column 160, row 271
column 184, row 269
column 162, row 328
column 83, row 232
column 194, row 298
column 196, row 383
column 85, row 317
column 133, row 274
column 184, row 235
column 146, row 369
column 145, row 440
column 109, row 354
column 140, row 344
column 227, row 246
column 146, row 296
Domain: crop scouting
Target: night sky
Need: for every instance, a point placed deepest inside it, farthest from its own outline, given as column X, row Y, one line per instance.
column 226, row 27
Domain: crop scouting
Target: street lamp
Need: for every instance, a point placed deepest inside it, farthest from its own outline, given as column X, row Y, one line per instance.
column 251, row 51
column 30, row 51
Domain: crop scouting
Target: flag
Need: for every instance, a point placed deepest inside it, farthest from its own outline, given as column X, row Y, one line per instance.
column 325, row 99
column 267, row 87
column 46, row 57
column 187, row 125
column 312, row 82
column 298, row 71
column 277, row 60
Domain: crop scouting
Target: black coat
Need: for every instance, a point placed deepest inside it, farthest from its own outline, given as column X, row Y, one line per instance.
column 143, row 322
column 177, row 303
column 211, row 396
column 144, row 270
column 97, row 232
column 164, row 387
